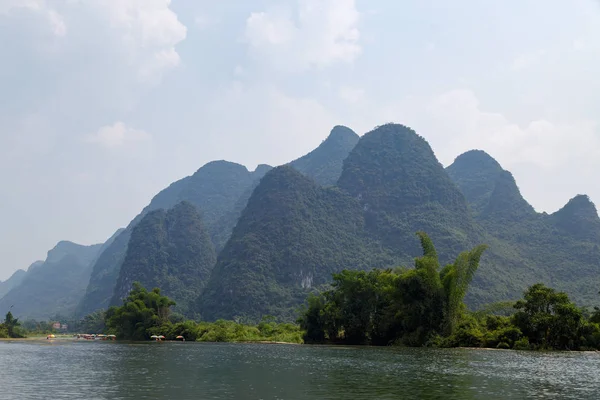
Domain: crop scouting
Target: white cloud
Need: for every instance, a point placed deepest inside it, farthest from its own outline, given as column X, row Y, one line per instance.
column 53, row 18
column 117, row 136
column 546, row 144
column 315, row 34
column 265, row 118
column 149, row 29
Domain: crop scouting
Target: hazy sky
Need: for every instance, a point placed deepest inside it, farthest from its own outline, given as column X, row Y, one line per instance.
column 105, row 102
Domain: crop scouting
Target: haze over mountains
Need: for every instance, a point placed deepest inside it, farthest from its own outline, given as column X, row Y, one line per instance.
column 237, row 244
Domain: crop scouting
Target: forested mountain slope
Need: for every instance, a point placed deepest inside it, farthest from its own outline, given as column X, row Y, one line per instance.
column 292, row 235
column 528, row 247
column 216, row 190
column 171, row 250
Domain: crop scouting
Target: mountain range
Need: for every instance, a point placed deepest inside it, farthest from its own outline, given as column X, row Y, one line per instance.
column 231, row 243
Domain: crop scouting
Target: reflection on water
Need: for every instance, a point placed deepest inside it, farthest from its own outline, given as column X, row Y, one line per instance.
column 109, row 370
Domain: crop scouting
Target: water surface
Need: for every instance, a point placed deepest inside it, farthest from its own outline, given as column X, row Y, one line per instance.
column 113, row 370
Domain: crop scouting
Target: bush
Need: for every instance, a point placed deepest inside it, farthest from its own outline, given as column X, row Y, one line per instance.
column 522, row 344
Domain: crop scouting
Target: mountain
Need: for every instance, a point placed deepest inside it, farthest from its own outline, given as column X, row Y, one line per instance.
column 291, row 236
column 294, row 233
column 14, row 281
column 403, row 189
column 171, row 250
column 218, row 190
column 54, row 287
column 324, row 164
column 491, row 191
column 525, row 246
column 579, row 219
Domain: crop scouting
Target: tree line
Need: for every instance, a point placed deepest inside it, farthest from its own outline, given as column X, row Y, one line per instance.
column 425, row 306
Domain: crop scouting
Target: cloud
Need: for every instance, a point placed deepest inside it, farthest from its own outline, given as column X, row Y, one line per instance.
column 266, row 118
column 53, row 18
column 150, row 30
column 117, row 136
column 140, row 34
column 313, row 34
column 541, row 142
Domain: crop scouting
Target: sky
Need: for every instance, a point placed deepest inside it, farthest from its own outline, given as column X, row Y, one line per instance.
column 106, row 102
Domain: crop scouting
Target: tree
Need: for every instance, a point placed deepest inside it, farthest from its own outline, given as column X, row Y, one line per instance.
column 94, row 322
column 548, row 318
column 141, row 311
column 382, row 306
column 431, row 301
column 10, row 323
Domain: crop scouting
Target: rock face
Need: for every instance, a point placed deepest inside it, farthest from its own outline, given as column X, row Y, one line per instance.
column 324, row 164
column 219, row 191
column 171, row 250
column 54, row 286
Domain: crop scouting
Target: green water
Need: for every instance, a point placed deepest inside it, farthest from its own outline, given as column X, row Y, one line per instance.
column 112, row 370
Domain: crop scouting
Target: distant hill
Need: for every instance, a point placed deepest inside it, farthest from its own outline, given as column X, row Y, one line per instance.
column 217, row 191
column 324, row 164
column 525, row 246
column 14, row 281
column 171, row 250
column 55, row 286
column 578, row 219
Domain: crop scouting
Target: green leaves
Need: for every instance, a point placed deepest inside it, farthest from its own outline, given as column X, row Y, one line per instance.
column 384, row 306
column 548, row 318
column 141, row 311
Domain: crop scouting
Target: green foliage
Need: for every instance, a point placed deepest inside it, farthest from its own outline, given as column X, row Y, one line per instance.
column 141, row 312
column 230, row 331
column 413, row 307
column 170, row 249
column 10, row 323
column 548, row 318
column 93, row 323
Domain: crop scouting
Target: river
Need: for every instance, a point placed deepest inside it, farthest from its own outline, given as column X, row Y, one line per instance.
column 65, row 369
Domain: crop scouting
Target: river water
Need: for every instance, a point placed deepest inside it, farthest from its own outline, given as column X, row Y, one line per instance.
column 64, row 369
